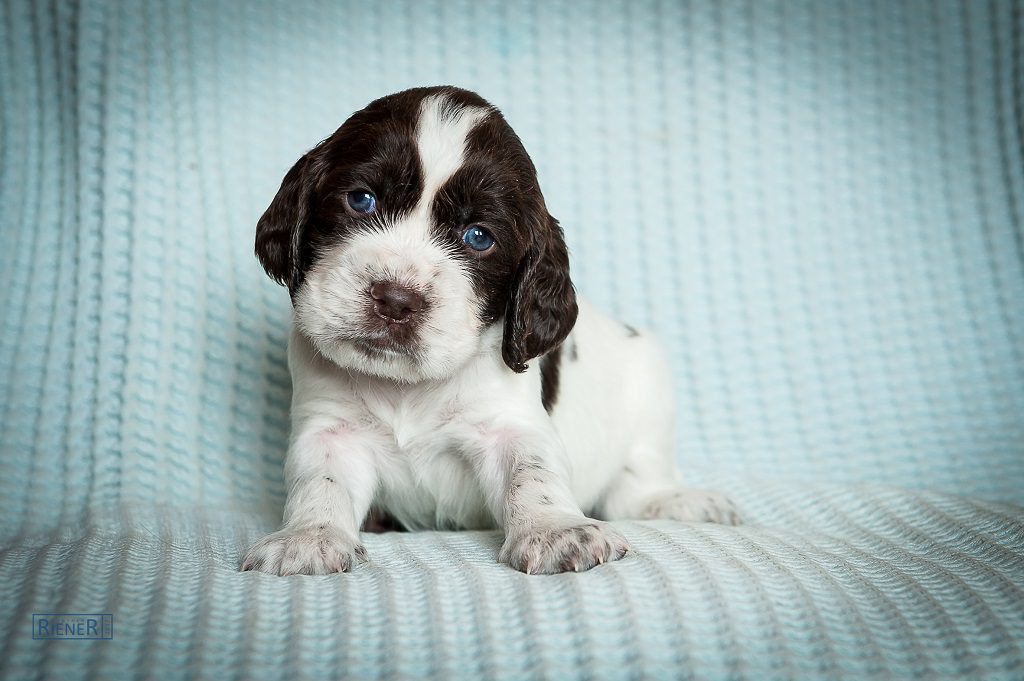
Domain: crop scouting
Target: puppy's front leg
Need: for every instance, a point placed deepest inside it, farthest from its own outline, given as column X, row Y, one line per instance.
column 331, row 479
column 545, row 530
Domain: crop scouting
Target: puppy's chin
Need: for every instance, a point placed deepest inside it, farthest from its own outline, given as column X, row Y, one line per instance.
column 433, row 349
column 380, row 358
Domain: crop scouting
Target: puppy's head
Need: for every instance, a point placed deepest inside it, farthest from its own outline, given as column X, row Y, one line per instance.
column 412, row 229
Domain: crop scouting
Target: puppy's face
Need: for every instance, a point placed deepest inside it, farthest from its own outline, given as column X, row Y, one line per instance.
column 414, row 227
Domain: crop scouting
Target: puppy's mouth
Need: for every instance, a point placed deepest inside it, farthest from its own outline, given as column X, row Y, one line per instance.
column 382, row 345
column 378, row 337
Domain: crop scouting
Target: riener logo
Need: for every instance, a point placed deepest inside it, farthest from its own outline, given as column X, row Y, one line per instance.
column 73, row 626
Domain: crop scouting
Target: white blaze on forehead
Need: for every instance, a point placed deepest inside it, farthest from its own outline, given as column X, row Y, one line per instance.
column 441, row 133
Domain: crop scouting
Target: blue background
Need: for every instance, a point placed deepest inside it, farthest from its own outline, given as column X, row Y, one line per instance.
column 818, row 205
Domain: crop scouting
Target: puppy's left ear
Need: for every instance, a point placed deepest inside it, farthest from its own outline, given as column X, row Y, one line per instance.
column 542, row 304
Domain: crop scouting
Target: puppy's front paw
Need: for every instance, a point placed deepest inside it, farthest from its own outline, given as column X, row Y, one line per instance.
column 317, row 550
column 547, row 549
column 692, row 505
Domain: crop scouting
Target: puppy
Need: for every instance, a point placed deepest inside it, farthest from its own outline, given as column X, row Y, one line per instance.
column 444, row 371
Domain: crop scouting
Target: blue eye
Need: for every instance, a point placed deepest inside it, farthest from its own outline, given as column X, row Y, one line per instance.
column 361, row 201
column 478, row 238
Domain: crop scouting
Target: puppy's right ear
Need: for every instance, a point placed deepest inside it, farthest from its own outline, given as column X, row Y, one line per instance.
column 279, row 233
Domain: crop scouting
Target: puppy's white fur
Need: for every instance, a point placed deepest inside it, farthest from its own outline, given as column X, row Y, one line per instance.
column 449, row 436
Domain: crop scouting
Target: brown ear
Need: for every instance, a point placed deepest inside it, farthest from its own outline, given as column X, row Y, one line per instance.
column 279, row 233
column 542, row 306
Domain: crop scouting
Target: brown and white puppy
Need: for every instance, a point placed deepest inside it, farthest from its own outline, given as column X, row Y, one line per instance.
column 426, row 274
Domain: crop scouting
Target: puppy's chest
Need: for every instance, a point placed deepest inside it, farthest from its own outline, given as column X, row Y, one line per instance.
column 416, row 423
column 426, row 478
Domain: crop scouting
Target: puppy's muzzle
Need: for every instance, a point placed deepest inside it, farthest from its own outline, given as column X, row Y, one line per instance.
column 395, row 303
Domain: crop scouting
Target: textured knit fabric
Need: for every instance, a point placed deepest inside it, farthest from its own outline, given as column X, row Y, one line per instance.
column 819, row 206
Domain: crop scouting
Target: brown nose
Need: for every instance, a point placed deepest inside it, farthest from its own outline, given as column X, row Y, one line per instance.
column 394, row 302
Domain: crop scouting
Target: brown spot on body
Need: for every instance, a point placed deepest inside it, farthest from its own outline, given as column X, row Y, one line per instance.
column 549, row 372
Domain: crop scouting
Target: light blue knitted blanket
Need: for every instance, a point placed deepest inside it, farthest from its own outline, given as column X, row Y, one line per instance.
column 818, row 205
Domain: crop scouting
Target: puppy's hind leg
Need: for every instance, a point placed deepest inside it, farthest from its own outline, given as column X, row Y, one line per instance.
column 649, row 487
